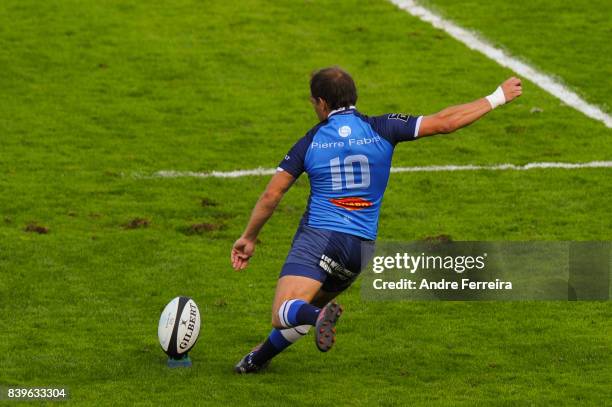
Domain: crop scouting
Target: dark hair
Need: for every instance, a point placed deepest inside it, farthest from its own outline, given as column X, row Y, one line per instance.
column 335, row 86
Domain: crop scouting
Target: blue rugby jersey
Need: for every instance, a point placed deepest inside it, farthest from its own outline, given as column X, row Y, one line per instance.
column 348, row 159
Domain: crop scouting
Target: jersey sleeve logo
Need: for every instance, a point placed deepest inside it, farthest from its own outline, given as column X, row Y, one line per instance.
column 351, row 203
column 399, row 116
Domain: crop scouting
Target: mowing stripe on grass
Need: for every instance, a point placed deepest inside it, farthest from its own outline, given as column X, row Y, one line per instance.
column 477, row 44
column 431, row 168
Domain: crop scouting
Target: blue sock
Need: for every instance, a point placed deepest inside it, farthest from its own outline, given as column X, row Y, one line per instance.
column 297, row 316
column 278, row 341
column 274, row 345
column 297, row 312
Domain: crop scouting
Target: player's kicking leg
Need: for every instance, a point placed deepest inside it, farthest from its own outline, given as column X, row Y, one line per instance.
column 292, row 316
column 320, row 265
column 325, row 328
column 327, row 314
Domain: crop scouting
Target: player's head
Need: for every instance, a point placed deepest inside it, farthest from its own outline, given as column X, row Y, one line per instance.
column 331, row 88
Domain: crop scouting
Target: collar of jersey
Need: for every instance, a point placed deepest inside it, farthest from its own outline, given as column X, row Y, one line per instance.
column 342, row 109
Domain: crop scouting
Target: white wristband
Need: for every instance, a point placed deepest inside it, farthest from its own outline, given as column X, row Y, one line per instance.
column 496, row 98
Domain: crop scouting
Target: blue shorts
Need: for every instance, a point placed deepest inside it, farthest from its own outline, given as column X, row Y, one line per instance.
column 333, row 258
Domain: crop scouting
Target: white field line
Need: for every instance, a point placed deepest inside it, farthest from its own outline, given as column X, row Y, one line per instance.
column 432, row 168
column 522, row 69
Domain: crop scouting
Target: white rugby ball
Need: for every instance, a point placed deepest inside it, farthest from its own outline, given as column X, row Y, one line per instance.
column 179, row 326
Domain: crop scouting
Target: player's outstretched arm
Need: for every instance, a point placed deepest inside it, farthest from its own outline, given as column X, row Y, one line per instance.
column 455, row 117
column 244, row 247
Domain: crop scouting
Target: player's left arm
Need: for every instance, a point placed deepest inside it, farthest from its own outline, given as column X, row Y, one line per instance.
column 244, row 247
column 455, row 117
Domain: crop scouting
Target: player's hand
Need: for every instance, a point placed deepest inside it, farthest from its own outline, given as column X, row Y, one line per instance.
column 242, row 251
column 512, row 89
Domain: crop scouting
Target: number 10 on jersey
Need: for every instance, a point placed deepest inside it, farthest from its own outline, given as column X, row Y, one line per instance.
column 353, row 166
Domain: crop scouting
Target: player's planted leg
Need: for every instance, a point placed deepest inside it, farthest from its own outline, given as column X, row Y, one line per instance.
column 296, row 317
column 296, row 312
column 292, row 317
column 278, row 340
column 293, row 312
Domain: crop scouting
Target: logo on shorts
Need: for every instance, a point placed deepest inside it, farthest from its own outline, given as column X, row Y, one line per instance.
column 344, row 131
column 335, row 269
column 351, row 203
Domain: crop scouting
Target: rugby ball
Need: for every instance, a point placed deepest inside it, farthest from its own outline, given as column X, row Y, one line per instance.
column 179, row 326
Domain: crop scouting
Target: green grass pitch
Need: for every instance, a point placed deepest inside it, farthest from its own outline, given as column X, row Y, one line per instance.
column 94, row 93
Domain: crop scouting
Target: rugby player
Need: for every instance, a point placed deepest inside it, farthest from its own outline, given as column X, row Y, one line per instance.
column 347, row 157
